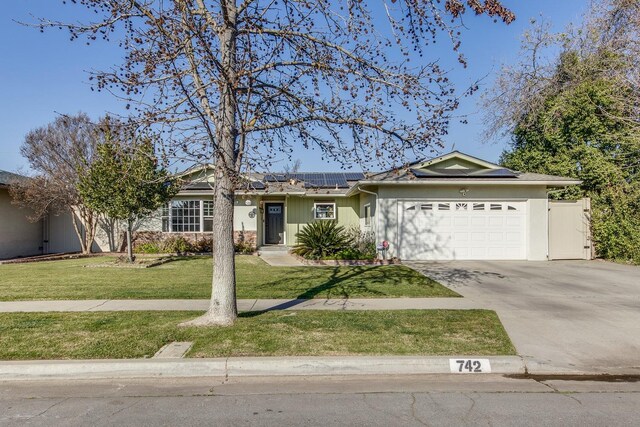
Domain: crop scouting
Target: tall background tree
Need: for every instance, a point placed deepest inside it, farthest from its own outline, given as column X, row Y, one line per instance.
column 571, row 108
column 236, row 82
column 125, row 181
column 60, row 154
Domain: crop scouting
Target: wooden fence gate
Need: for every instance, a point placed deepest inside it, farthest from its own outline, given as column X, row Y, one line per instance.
column 569, row 229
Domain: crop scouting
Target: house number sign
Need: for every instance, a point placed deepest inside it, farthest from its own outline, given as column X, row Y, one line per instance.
column 470, row 366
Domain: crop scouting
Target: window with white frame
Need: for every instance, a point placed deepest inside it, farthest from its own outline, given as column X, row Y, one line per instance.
column 207, row 215
column 166, row 219
column 185, row 215
column 324, row 210
column 367, row 215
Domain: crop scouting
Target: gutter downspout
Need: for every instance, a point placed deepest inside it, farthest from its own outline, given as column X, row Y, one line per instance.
column 376, row 205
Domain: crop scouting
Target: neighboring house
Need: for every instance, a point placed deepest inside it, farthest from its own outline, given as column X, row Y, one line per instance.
column 452, row 207
column 19, row 237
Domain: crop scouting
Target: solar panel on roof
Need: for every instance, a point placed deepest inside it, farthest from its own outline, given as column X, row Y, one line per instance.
column 495, row 173
column 353, row 176
column 315, row 179
column 463, row 173
column 336, row 180
column 275, row 177
column 256, row 185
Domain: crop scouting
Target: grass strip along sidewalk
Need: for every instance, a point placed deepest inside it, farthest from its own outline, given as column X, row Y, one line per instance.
column 119, row 335
column 190, row 278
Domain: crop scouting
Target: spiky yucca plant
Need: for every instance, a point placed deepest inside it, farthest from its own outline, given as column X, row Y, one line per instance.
column 321, row 239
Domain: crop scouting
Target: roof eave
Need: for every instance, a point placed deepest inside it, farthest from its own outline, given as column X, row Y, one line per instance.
column 551, row 183
column 460, row 155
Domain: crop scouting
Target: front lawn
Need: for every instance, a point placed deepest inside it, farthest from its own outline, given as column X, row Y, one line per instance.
column 277, row 333
column 191, row 279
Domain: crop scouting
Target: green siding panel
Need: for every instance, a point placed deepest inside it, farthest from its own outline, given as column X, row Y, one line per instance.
column 300, row 212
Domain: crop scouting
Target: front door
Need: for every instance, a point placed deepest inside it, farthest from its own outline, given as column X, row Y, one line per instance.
column 274, row 223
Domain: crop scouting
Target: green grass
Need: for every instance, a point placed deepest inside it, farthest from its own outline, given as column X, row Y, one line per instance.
column 191, row 279
column 277, row 333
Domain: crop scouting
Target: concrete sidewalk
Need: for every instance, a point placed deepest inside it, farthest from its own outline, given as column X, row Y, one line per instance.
column 243, row 305
column 279, row 256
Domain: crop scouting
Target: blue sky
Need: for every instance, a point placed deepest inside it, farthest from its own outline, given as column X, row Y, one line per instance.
column 45, row 74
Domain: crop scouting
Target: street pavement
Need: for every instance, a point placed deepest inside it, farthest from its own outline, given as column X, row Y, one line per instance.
column 370, row 401
column 561, row 315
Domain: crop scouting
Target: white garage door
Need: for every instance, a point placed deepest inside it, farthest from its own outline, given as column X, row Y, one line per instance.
column 446, row 230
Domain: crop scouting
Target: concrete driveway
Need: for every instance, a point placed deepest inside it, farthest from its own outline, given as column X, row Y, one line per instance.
column 561, row 315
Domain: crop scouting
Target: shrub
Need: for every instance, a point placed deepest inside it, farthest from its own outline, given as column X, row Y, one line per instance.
column 177, row 244
column 349, row 253
column 362, row 242
column 148, row 248
column 321, row 239
column 204, row 244
column 244, row 247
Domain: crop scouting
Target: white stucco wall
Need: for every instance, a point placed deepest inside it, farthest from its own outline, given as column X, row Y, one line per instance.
column 245, row 214
column 61, row 235
column 535, row 197
column 18, row 236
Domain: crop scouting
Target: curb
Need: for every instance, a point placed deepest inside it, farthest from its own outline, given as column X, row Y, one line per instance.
column 251, row 367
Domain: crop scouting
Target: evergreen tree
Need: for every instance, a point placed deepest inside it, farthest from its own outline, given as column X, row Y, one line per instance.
column 124, row 182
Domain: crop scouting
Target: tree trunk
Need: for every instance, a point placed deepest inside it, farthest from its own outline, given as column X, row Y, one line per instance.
column 223, row 309
column 80, row 226
column 129, row 248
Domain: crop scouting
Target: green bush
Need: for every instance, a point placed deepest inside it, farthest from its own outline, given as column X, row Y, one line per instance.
column 204, row 244
column 148, row 248
column 244, row 247
column 615, row 223
column 350, row 254
column 362, row 242
column 177, row 244
column 321, row 239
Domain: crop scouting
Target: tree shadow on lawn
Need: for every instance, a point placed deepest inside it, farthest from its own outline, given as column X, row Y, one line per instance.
column 349, row 282
column 342, row 283
column 338, row 287
column 334, row 287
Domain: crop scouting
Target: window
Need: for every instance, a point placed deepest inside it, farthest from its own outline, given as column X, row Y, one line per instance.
column 367, row 215
column 512, row 208
column 207, row 215
column 165, row 217
column 411, row 208
column 444, row 206
column 461, row 206
column 495, row 207
column 426, row 207
column 478, row 206
column 185, row 215
column 324, row 210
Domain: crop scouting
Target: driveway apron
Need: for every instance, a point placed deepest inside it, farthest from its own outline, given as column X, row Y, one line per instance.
column 573, row 316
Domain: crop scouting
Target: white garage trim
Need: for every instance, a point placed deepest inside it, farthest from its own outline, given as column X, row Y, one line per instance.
column 482, row 229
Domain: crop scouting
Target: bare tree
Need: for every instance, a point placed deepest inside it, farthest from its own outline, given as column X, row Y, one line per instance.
column 610, row 31
column 237, row 81
column 292, row 167
column 60, row 153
